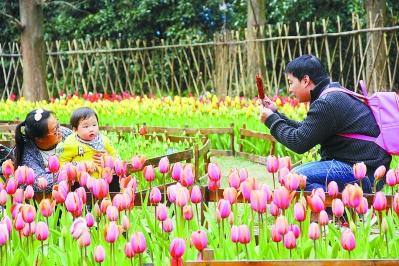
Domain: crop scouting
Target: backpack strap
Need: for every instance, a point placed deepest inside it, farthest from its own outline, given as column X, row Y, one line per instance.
column 345, row 90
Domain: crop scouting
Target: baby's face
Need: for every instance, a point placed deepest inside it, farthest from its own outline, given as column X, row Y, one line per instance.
column 88, row 128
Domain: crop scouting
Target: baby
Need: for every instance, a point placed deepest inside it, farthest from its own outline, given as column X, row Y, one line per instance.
column 86, row 140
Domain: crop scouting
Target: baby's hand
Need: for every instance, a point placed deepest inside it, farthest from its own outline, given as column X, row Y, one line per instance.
column 97, row 158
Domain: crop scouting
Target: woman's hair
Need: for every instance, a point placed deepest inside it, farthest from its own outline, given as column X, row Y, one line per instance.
column 307, row 65
column 80, row 114
column 34, row 126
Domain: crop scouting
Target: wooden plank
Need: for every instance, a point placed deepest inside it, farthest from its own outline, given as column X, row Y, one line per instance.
column 391, row 262
column 221, row 152
column 256, row 134
column 204, row 149
column 252, row 157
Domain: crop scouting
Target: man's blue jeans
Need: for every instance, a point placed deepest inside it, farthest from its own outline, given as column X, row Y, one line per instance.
column 323, row 172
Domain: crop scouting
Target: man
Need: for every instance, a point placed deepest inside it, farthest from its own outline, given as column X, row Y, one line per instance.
column 329, row 115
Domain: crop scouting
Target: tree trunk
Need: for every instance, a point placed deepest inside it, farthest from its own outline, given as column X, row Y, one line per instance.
column 376, row 63
column 221, row 64
column 32, row 48
column 256, row 18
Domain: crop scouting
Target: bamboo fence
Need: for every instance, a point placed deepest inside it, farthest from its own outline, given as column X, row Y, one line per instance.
column 220, row 66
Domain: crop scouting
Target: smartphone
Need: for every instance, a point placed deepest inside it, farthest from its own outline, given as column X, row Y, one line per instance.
column 259, row 84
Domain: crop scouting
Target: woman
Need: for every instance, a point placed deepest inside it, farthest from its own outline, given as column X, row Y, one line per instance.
column 35, row 140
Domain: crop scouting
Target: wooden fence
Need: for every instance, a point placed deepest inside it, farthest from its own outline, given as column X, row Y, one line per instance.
column 139, row 67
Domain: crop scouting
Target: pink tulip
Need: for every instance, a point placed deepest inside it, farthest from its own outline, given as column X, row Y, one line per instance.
column 187, row 177
column 235, row 234
column 176, row 250
column 332, row 189
column 29, row 193
column 292, row 182
column 230, row 194
column 19, row 223
column 299, row 212
column 161, row 212
column 182, row 196
column 302, row 182
column 395, row 203
column 177, row 170
column 7, row 168
column 104, row 205
column 323, row 218
column 274, row 210
column 359, row 170
column 107, row 162
column 29, row 229
column 196, row 195
column 129, row 250
column 163, row 165
column 379, row 173
column 120, row 168
column 20, row 174
column 352, row 195
column 85, row 239
column 89, row 220
column 316, row 204
column 187, row 213
column 11, row 186
column 384, row 225
column 18, row 196
column 243, row 174
column 42, row 231
column 167, row 225
column 244, row 235
column 171, row 192
column 285, row 162
column 4, row 235
column 234, row 179
column 81, row 192
column 99, row 254
column 276, row 236
column 290, row 240
column 199, row 240
column 231, row 218
column 42, row 183
column 100, row 188
column 112, row 213
column 138, row 162
column 314, row 231
column 3, row 197
column 363, row 206
column 380, row 201
column 125, row 223
column 60, row 192
column 246, row 188
column 272, row 164
column 78, row 226
column 282, row 174
column 53, row 164
column 337, row 207
column 258, row 201
column 138, row 242
column 224, row 208
column 348, row 240
column 149, row 173
column 282, row 197
column 28, row 213
column 214, row 173
column 281, row 225
column 213, row 185
column 111, row 232
column 7, row 221
column 295, row 229
column 46, row 207
column 107, row 174
column 268, row 193
column 155, row 195
column 391, row 178
column 73, row 203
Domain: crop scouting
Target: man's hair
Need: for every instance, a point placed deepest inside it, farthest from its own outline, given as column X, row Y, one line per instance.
column 80, row 114
column 307, row 65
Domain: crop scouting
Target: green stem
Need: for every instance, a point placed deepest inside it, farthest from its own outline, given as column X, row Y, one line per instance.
column 274, row 182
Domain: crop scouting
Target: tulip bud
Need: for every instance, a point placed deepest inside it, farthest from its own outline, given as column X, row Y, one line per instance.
column 290, row 240
column 314, row 231
column 53, row 164
column 359, row 170
column 138, row 242
column 111, row 232
column 163, row 165
column 99, row 254
column 196, row 195
column 199, row 240
column 7, row 168
column 332, row 189
column 42, row 231
column 348, row 240
column 272, row 164
column 177, row 170
column 214, row 172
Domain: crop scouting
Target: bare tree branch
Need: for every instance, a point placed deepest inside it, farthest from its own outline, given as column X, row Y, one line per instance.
column 14, row 20
column 67, row 4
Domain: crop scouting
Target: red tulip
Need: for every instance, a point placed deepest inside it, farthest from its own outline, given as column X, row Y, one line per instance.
column 272, row 164
column 111, row 232
column 214, row 172
column 19, row 223
column 99, row 254
column 292, row 182
column 359, row 170
column 42, row 231
column 18, row 196
column 348, row 240
column 314, row 231
column 74, row 204
column 163, row 165
column 290, row 240
column 199, row 240
column 213, row 185
column 138, row 242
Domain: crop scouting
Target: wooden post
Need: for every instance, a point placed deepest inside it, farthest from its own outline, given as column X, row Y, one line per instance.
column 32, row 46
column 232, row 139
column 242, row 137
column 196, row 163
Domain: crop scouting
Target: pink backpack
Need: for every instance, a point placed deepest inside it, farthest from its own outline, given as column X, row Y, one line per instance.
column 385, row 108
